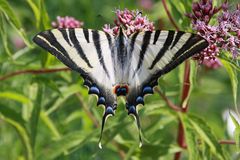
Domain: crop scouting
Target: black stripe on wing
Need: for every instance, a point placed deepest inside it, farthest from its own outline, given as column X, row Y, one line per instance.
column 78, row 47
column 146, row 40
column 65, row 35
column 52, row 39
column 122, row 54
column 163, row 50
column 48, row 41
column 86, row 34
column 109, row 38
column 132, row 43
column 156, row 35
column 177, row 38
column 192, row 46
column 96, row 40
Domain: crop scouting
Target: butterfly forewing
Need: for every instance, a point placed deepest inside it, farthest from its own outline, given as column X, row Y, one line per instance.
column 156, row 53
column 85, row 51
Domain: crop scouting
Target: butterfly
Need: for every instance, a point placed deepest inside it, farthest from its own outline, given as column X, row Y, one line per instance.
column 120, row 65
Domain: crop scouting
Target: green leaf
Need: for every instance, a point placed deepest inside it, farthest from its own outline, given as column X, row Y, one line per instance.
column 12, row 114
column 190, row 137
column 178, row 13
column 44, row 15
column 14, row 96
column 153, row 151
column 47, row 59
column 67, row 92
column 3, row 34
column 73, row 139
column 49, row 123
column 8, row 11
column 204, row 131
column 12, row 118
column 237, row 131
column 13, row 19
column 237, row 137
column 230, row 61
column 35, row 114
column 234, row 80
column 36, row 12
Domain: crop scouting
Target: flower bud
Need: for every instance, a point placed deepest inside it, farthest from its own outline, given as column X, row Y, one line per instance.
column 195, row 6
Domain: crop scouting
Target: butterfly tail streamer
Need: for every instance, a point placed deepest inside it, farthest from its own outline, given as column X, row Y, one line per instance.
column 108, row 112
column 133, row 111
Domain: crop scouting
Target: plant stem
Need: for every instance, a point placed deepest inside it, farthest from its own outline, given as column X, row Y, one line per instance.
column 169, row 103
column 169, row 15
column 226, row 142
column 32, row 71
column 180, row 140
column 86, row 110
column 186, row 85
column 185, row 93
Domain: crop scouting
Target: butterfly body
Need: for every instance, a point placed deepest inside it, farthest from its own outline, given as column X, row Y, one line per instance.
column 120, row 65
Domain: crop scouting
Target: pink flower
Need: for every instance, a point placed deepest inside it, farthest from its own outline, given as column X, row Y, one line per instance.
column 203, row 11
column 130, row 21
column 18, row 42
column 222, row 37
column 214, row 64
column 67, row 22
column 146, row 4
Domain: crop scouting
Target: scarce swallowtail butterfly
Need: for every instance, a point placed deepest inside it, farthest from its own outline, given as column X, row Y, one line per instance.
column 119, row 65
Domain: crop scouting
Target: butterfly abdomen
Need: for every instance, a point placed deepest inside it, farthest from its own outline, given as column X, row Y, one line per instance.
column 121, row 58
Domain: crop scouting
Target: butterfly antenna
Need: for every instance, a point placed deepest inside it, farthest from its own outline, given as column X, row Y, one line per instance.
column 133, row 111
column 108, row 112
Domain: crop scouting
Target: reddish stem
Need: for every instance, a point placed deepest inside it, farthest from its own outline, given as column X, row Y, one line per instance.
column 169, row 15
column 180, row 140
column 32, row 71
column 185, row 93
column 169, row 103
column 186, row 85
column 226, row 142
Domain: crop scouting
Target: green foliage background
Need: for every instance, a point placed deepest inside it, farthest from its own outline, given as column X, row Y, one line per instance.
column 51, row 116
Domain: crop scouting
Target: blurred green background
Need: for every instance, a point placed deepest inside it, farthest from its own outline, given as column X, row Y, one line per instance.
column 51, row 116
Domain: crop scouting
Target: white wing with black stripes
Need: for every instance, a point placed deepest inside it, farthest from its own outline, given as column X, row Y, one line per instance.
column 87, row 52
column 154, row 54
column 120, row 65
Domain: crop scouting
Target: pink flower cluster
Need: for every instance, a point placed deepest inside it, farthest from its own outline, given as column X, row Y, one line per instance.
column 203, row 11
column 221, row 37
column 67, row 22
column 130, row 21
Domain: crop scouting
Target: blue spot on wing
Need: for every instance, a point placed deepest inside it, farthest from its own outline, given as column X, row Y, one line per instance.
column 94, row 90
column 101, row 100
column 140, row 100
column 147, row 90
